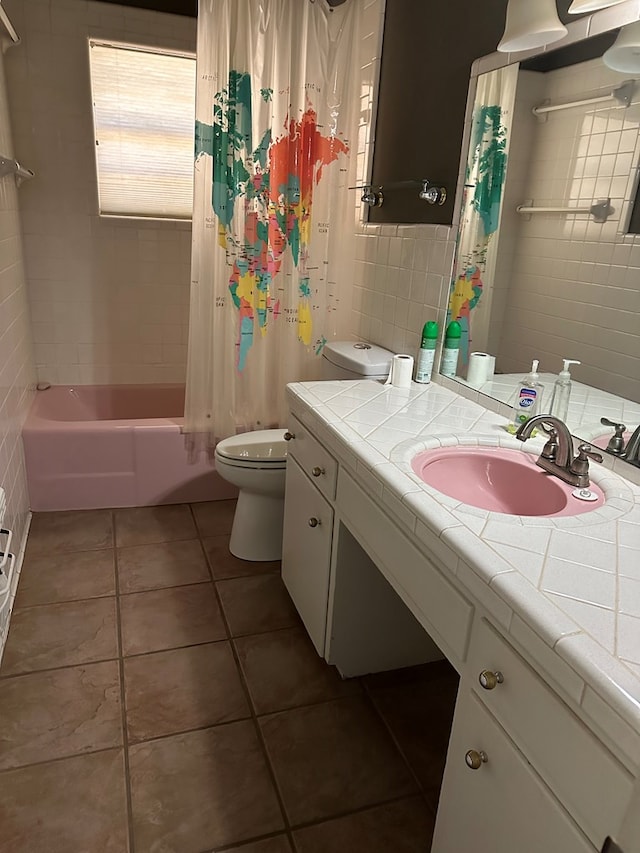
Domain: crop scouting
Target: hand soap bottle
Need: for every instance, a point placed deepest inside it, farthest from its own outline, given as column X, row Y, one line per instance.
column 528, row 396
column 562, row 391
column 424, row 362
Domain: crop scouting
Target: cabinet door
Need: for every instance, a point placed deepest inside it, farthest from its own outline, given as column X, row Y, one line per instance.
column 503, row 806
column 306, row 551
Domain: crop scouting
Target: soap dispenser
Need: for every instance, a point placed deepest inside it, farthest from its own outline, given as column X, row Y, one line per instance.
column 528, row 396
column 562, row 391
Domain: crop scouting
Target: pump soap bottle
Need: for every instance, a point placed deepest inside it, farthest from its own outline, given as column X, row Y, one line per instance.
column 426, row 353
column 451, row 348
column 562, row 391
column 528, row 396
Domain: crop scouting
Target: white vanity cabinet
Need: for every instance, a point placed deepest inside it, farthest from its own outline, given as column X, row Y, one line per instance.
column 308, row 526
column 521, row 765
column 372, row 597
column 492, row 800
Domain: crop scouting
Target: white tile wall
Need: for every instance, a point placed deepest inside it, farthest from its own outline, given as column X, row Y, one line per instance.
column 16, row 358
column 573, row 290
column 109, row 297
column 402, row 272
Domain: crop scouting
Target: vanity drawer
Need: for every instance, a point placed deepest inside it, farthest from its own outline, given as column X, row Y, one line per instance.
column 317, row 463
column 592, row 785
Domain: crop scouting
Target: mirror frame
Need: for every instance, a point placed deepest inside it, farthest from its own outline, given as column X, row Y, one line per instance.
column 583, row 28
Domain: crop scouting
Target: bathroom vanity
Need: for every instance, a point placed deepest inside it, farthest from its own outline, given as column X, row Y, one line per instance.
column 385, row 572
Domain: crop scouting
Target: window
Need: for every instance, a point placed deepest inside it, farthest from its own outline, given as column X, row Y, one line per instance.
column 144, row 117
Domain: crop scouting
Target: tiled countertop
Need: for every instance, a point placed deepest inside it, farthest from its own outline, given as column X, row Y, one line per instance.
column 570, row 586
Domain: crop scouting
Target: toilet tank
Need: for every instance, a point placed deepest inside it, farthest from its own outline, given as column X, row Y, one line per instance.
column 355, row 360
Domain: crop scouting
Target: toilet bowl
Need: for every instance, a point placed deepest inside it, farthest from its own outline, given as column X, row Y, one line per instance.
column 256, row 463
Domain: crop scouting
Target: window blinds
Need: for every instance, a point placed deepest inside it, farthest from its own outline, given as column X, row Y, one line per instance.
column 144, row 115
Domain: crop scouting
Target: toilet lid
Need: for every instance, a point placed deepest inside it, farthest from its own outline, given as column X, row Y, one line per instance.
column 265, row 445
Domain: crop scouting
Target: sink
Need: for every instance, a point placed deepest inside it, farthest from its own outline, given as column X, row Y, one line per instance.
column 501, row 480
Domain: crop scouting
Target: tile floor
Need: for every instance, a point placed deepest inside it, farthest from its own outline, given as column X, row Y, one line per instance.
column 157, row 694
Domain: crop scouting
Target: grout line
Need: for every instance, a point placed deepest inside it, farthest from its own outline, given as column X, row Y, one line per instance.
column 252, row 711
column 6, row 770
column 378, row 804
column 123, row 701
column 56, row 668
column 432, row 808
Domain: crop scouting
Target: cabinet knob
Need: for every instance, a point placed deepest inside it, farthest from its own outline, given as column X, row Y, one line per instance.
column 474, row 759
column 314, row 522
column 288, row 436
column 317, row 471
column 489, row 679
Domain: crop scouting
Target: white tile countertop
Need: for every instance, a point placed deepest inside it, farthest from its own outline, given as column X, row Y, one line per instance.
column 568, row 586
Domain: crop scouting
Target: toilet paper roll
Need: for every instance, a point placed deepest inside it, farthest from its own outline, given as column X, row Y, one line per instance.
column 491, row 367
column 401, row 371
column 481, row 366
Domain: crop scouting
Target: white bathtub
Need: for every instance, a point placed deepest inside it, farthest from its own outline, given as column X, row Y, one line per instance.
column 95, row 446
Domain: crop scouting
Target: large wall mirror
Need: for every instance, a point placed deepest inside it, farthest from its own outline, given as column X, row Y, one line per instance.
column 548, row 266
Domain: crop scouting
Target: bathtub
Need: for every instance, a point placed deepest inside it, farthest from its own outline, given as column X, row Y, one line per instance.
column 96, row 446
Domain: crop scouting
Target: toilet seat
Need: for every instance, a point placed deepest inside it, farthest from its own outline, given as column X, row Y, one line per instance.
column 265, row 448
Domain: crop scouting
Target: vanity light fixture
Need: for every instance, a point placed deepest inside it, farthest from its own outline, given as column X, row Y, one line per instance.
column 624, row 53
column 579, row 6
column 531, row 23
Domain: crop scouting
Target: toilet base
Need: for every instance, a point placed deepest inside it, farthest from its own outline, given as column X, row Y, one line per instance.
column 256, row 534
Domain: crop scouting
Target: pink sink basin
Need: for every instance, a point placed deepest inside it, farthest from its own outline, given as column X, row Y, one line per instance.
column 500, row 480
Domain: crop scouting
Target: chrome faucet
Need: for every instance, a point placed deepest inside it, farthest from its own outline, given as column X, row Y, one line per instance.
column 556, row 456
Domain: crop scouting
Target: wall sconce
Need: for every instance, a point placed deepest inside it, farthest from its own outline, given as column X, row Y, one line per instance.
column 432, row 194
column 531, row 23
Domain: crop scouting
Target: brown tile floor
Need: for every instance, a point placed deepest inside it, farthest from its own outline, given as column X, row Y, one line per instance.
column 157, row 694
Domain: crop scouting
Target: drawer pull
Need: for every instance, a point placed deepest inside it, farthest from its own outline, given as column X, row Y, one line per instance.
column 489, row 680
column 474, row 759
column 314, row 522
column 317, row 471
column 288, row 435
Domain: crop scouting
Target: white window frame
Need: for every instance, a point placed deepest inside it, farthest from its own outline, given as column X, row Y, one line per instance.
column 143, row 171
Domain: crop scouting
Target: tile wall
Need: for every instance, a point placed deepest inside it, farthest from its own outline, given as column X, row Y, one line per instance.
column 573, row 290
column 16, row 358
column 109, row 297
column 402, row 272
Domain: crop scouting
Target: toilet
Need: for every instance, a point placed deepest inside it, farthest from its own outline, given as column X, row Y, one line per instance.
column 256, row 462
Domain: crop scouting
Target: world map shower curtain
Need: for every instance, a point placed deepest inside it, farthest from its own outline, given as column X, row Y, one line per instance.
column 273, row 218
column 472, row 289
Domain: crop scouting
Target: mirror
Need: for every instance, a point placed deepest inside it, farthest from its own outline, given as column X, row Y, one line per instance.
column 545, row 266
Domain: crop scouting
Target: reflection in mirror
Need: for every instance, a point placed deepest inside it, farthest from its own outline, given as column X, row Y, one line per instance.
column 560, row 279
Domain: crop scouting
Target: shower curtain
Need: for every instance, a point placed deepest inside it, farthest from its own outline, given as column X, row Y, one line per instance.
column 471, row 290
column 273, row 218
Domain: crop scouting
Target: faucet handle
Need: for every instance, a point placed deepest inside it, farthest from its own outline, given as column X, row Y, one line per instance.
column 550, row 450
column 616, row 442
column 585, row 450
column 580, row 465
